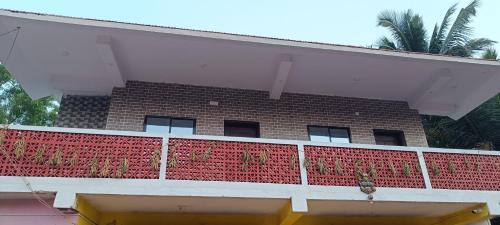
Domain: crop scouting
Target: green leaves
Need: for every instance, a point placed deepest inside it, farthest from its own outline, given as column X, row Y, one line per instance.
column 18, row 108
column 490, row 54
column 385, row 43
column 409, row 34
column 438, row 35
column 460, row 32
column 407, row 30
column 482, row 125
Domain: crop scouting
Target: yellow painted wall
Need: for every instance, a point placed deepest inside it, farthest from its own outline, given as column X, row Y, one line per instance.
column 232, row 219
column 185, row 219
column 239, row 219
column 355, row 220
column 87, row 214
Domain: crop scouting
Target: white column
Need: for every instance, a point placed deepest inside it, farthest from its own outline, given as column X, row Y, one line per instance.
column 164, row 157
column 303, row 171
column 423, row 168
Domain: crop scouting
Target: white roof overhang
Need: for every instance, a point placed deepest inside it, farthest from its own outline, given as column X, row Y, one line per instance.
column 56, row 55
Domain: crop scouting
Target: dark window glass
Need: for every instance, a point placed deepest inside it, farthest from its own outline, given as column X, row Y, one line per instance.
column 182, row 126
column 319, row 134
column 329, row 134
column 389, row 137
column 241, row 129
column 162, row 125
column 339, row 135
column 158, row 125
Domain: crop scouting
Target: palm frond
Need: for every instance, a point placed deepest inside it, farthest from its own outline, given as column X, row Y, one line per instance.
column 460, row 32
column 472, row 46
column 406, row 28
column 417, row 33
column 479, row 44
column 439, row 32
column 434, row 41
column 391, row 21
column 385, row 43
column 490, row 54
column 459, row 51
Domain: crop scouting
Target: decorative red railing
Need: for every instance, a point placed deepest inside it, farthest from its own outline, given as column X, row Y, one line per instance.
column 57, row 154
column 338, row 166
column 463, row 171
column 207, row 160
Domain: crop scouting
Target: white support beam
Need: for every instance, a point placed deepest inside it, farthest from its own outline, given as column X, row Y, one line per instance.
column 282, row 73
column 65, row 201
column 106, row 51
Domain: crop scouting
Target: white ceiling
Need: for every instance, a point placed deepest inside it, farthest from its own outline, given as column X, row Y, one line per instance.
column 57, row 55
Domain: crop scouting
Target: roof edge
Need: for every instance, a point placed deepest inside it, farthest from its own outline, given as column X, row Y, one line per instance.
column 239, row 37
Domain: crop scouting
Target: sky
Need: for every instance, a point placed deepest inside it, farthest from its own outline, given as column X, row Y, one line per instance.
column 351, row 22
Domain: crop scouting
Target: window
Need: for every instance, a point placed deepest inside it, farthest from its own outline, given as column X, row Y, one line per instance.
column 167, row 125
column 329, row 134
column 241, row 129
column 389, row 137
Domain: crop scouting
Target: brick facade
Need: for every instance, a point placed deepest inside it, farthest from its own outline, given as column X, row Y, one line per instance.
column 83, row 112
column 286, row 118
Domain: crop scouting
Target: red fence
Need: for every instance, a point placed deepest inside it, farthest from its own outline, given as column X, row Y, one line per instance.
column 232, row 161
column 463, row 171
column 60, row 154
column 339, row 167
column 54, row 154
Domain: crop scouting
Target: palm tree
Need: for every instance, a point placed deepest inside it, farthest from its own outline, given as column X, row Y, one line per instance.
column 490, row 54
column 409, row 34
column 479, row 128
column 407, row 30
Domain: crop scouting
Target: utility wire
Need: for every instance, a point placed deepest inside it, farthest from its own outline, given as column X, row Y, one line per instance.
column 23, row 176
column 18, row 29
column 3, row 131
column 8, row 32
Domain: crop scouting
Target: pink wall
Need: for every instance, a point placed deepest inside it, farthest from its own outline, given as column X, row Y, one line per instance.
column 31, row 212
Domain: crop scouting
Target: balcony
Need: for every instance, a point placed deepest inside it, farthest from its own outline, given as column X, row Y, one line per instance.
column 79, row 153
column 33, row 153
column 117, row 170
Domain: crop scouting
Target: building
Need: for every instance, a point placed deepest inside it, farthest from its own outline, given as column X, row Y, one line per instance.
column 163, row 125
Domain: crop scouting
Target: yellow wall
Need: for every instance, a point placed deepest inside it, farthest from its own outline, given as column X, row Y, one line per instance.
column 284, row 217
column 185, row 219
column 232, row 219
column 240, row 219
column 87, row 214
column 356, row 220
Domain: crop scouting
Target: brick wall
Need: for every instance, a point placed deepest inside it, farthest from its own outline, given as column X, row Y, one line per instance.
column 286, row 118
column 83, row 112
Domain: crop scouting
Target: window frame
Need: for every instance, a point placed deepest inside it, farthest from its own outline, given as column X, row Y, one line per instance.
column 248, row 123
column 329, row 132
column 400, row 135
column 170, row 118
